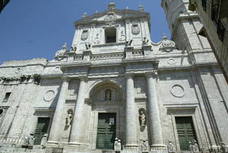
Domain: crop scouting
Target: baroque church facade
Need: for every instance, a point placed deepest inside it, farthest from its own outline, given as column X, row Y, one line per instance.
column 116, row 90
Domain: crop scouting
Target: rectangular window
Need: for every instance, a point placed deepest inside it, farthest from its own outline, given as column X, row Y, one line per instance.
column 110, row 35
column 41, row 129
column 185, row 131
column 6, row 98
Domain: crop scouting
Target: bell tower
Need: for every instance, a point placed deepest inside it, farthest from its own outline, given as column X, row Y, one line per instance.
column 185, row 25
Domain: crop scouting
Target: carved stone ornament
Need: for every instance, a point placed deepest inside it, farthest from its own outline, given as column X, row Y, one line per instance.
column 110, row 17
column 167, row 45
column 49, row 95
column 171, row 61
column 177, row 91
column 135, row 29
column 85, row 35
column 59, row 55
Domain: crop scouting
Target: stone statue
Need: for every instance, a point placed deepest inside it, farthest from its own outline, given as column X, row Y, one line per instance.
column 69, row 118
column 117, row 145
column 144, row 145
column 62, row 52
column 193, row 146
column 128, row 43
column 171, row 147
column 73, row 48
column 44, row 140
column 223, row 148
column 145, row 41
column 142, row 118
column 88, row 46
column 29, row 140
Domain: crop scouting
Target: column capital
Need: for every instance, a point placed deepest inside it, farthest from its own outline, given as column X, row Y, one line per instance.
column 65, row 78
column 153, row 74
column 129, row 75
column 83, row 78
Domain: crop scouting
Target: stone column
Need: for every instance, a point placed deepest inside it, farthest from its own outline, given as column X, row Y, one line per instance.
column 154, row 124
column 57, row 119
column 131, row 122
column 77, row 133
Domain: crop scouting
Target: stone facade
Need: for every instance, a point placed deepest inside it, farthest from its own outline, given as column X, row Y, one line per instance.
column 117, row 87
column 214, row 17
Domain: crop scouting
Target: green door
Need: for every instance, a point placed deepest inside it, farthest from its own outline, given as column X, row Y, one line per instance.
column 106, row 130
column 185, row 131
column 41, row 129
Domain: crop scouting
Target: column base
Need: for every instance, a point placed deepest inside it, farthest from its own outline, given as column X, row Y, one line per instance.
column 52, row 144
column 155, row 147
column 77, row 146
column 131, row 147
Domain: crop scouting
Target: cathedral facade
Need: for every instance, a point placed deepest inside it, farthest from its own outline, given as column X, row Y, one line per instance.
column 116, row 90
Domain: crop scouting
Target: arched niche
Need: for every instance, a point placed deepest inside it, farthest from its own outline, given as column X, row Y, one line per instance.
column 106, row 92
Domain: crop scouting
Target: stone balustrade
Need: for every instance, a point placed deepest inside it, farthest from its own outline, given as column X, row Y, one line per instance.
column 12, row 140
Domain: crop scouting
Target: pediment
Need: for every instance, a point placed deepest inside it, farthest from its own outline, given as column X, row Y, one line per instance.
column 110, row 16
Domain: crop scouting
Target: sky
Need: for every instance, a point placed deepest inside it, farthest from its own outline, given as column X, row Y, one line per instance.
column 38, row 28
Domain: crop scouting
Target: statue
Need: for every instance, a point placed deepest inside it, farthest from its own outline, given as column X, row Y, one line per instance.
column 69, row 118
column 145, row 41
column 117, row 145
column 44, row 141
column 144, row 145
column 88, row 46
column 29, row 140
column 223, row 148
column 171, row 147
column 193, row 146
column 60, row 53
column 128, row 43
column 142, row 118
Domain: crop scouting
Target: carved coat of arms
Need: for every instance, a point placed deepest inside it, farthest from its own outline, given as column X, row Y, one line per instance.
column 135, row 29
column 85, row 35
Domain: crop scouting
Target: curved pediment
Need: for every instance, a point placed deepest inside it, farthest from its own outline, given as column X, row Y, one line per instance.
column 108, row 15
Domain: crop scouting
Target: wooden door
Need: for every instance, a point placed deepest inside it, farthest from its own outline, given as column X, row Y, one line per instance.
column 185, row 131
column 106, row 130
column 41, row 129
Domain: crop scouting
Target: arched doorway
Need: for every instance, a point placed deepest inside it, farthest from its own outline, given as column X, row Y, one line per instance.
column 108, row 110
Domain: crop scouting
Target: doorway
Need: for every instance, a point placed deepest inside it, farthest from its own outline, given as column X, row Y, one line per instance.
column 185, row 131
column 106, row 130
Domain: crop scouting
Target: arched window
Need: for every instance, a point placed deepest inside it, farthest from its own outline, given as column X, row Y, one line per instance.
column 110, row 35
column 108, row 95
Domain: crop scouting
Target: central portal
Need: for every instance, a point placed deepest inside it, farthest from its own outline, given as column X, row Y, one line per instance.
column 106, row 130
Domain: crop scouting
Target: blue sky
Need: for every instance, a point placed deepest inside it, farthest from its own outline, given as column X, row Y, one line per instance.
column 37, row 28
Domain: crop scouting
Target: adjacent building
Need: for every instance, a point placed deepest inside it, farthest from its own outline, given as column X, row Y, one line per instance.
column 214, row 17
column 116, row 90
